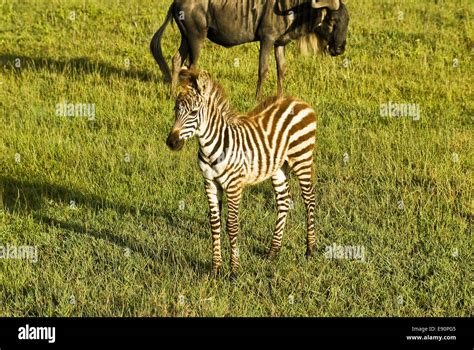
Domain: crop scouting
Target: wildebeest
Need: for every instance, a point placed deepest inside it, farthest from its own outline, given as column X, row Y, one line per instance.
column 274, row 23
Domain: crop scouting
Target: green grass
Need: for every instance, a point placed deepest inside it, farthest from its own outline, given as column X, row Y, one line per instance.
column 135, row 207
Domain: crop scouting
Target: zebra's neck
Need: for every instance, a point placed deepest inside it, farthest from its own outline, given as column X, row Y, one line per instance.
column 214, row 122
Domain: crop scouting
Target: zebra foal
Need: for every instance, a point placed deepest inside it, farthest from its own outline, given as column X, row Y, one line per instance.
column 241, row 149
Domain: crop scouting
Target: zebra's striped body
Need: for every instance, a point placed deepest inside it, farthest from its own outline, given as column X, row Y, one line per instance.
column 252, row 149
column 237, row 150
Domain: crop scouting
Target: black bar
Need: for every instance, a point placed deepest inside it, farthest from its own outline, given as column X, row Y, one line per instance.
column 374, row 331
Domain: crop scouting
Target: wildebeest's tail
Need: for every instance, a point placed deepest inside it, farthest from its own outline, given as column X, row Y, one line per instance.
column 155, row 46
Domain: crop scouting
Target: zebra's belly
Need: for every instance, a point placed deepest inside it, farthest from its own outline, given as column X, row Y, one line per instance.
column 248, row 172
column 261, row 171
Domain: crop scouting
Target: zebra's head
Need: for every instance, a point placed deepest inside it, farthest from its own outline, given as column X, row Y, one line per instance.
column 189, row 107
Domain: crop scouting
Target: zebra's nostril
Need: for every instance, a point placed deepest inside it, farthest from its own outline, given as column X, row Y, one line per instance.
column 170, row 141
column 173, row 142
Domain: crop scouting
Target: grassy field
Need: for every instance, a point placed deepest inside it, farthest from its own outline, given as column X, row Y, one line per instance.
column 120, row 222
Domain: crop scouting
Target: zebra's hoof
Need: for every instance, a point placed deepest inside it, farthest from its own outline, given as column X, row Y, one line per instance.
column 234, row 275
column 215, row 273
column 272, row 255
column 309, row 252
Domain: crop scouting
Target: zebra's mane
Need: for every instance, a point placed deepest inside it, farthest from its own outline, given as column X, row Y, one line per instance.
column 221, row 100
column 231, row 115
column 263, row 105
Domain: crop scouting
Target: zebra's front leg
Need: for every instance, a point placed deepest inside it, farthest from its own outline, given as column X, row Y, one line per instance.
column 234, row 194
column 214, row 197
column 280, row 186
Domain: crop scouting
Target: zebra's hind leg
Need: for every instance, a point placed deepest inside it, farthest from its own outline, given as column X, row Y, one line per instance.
column 280, row 186
column 304, row 172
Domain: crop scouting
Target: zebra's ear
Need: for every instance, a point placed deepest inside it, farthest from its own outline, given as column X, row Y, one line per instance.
column 203, row 81
column 190, row 78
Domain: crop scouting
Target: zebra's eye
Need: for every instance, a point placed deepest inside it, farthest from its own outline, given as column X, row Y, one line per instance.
column 194, row 112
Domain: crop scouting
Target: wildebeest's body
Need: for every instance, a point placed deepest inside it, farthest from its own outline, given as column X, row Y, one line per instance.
column 247, row 23
column 233, row 22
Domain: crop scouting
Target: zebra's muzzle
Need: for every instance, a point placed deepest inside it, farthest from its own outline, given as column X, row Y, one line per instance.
column 173, row 141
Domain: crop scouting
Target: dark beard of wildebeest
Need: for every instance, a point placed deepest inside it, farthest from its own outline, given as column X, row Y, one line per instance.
column 322, row 24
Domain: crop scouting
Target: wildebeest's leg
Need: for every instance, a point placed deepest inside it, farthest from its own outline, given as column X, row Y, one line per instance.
column 178, row 60
column 280, row 186
column 265, row 48
column 304, row 172
column 195, row 45
column 233, row 199
column 281, row 67
column 214, row 197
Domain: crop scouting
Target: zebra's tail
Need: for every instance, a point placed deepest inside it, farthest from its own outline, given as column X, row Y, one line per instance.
column 155, row 46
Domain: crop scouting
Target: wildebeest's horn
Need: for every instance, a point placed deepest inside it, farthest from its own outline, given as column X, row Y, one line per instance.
column 330, row 4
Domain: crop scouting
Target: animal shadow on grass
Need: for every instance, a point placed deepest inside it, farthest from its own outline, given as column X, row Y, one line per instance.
column 28, row 197
column 78, row 65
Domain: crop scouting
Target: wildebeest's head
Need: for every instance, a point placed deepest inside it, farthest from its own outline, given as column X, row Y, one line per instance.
column 332, row 31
